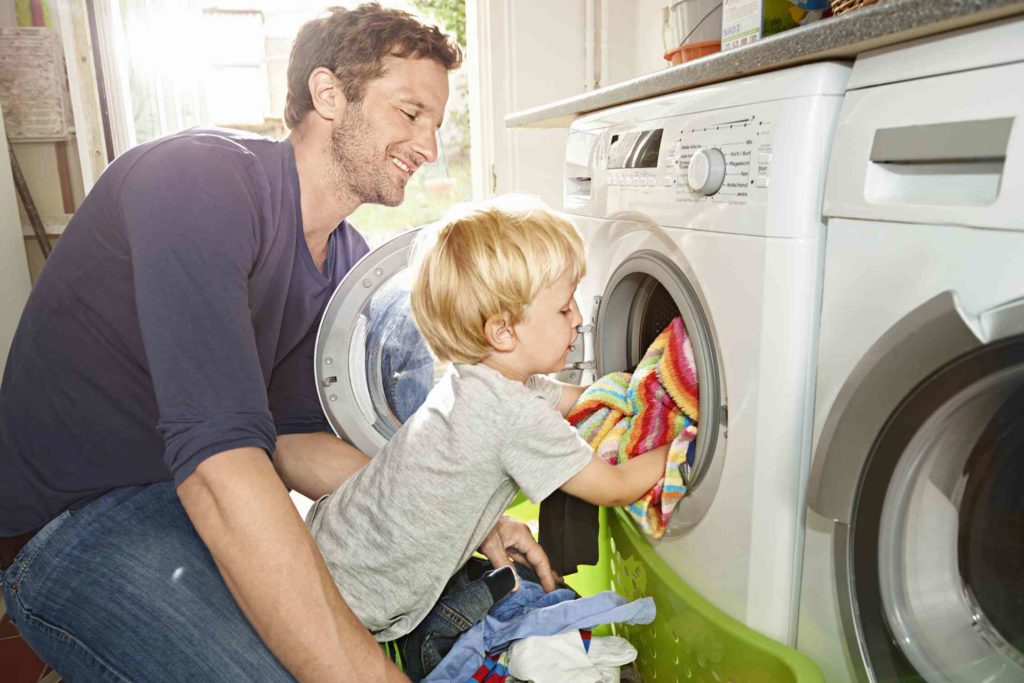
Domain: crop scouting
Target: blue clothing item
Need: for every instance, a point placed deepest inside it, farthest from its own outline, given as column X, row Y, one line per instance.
column 532, row 612
column 401, row 362
column 124, row 589
column 175, row 319
column 465, row 600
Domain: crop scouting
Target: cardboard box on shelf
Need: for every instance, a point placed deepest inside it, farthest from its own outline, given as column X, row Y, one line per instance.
column 747, row 21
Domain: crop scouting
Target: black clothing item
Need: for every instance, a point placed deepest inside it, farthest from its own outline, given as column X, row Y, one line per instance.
column 568, row 531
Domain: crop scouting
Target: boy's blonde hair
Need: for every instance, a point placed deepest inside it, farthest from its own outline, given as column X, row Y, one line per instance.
column 482, row 260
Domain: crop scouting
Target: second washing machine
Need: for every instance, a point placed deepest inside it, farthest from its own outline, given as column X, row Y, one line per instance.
column 914, row 560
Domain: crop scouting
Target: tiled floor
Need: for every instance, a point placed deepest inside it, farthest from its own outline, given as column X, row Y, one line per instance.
column 17, row 661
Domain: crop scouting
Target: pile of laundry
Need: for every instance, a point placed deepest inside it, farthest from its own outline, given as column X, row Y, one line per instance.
column 623, row 415
column 546, row 638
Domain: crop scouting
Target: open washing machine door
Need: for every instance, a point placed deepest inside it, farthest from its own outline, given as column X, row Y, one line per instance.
column 373, row 369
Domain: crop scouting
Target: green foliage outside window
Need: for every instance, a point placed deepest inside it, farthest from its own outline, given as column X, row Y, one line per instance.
column 450, row 13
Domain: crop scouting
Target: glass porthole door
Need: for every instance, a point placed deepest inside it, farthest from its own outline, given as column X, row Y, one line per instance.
column 643, row 294
column 373, row 369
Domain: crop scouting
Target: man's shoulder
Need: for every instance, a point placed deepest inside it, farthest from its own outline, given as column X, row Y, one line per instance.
column 205, row 149
column 227, row 138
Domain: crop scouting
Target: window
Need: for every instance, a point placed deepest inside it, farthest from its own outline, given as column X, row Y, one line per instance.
column 185, row 63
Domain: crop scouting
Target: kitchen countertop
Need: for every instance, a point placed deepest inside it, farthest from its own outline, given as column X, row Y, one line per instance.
column 840, row 37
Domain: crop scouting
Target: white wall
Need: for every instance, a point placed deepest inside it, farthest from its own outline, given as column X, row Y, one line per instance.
column 534, row 52
column 528, row 53
column 14, row 281
column 632, row 42
column 14, row 278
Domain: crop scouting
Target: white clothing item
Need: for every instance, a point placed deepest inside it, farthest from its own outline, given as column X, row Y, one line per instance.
column 561, row 658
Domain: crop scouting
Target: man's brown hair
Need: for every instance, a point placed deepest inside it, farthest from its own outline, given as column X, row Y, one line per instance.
column 352, row 43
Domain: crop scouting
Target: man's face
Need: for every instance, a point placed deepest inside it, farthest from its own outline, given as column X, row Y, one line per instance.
column 378, row 143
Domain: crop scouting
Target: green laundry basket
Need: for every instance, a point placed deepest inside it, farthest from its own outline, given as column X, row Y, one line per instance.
column 691, row 640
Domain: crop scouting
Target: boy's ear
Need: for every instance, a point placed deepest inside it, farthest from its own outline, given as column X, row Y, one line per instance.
column 500, row 334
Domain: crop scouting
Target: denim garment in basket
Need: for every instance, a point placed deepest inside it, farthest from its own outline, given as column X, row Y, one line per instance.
column 465, row 600
column 532, row 612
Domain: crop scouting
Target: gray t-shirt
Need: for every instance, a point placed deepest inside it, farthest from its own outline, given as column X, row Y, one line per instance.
column 396, row 531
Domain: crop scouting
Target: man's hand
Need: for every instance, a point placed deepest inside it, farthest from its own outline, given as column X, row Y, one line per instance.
column 512, row 541
column 275, row 571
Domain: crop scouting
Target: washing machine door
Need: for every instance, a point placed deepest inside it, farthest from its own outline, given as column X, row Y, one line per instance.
column 373, row 369
column 922, row 466
column 637, row 289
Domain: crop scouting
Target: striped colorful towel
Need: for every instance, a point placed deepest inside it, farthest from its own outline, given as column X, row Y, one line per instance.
column 623, row 415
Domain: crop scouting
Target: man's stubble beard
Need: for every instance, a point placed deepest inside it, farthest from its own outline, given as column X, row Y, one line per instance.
column 357, row 169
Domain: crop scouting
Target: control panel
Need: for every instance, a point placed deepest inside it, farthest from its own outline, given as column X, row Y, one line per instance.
column 728, row 159
column 712, row 170
column 740, row 157
column 703, row 158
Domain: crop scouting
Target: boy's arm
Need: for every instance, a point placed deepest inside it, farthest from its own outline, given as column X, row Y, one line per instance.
column 570, row 394
column 614, row 485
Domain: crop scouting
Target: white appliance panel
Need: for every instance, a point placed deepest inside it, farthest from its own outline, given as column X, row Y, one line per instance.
column 920, row 344
column 752, row 252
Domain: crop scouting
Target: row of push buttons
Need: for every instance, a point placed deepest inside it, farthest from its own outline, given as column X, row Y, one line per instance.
column 631, row 179
column 761, row 180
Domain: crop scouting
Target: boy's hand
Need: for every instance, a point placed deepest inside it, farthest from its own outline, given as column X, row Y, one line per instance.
column 511, row 540
column 616, row 485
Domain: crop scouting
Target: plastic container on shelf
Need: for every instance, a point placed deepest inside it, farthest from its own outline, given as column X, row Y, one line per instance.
column 691, row 51
column 693, row 28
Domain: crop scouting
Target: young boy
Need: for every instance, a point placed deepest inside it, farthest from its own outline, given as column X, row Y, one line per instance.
column 493, row 293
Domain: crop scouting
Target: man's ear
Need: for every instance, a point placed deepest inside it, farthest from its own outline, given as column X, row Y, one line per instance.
column 325, row 90
column 500, row 333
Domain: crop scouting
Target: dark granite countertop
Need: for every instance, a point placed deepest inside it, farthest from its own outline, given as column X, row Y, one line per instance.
column 840, row 37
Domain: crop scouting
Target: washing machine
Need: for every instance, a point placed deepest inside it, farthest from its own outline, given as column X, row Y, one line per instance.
column 704, row 204
column 914, row 552
column 707, row 204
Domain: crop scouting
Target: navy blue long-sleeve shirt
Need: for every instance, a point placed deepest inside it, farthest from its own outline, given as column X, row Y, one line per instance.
column 175, row 319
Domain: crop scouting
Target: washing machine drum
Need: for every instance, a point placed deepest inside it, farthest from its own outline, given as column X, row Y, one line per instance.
column 991, row 522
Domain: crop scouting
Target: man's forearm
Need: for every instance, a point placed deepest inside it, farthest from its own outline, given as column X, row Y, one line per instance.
column 315, row 464
column 274, row 571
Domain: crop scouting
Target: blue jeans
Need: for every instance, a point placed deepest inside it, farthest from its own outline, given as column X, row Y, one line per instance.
column 123, row 589
column 464, row 602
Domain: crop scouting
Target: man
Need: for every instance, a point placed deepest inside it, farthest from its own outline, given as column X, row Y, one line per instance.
column 166, row 350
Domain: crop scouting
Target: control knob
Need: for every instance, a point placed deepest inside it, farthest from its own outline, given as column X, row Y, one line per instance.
column 706, row 171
